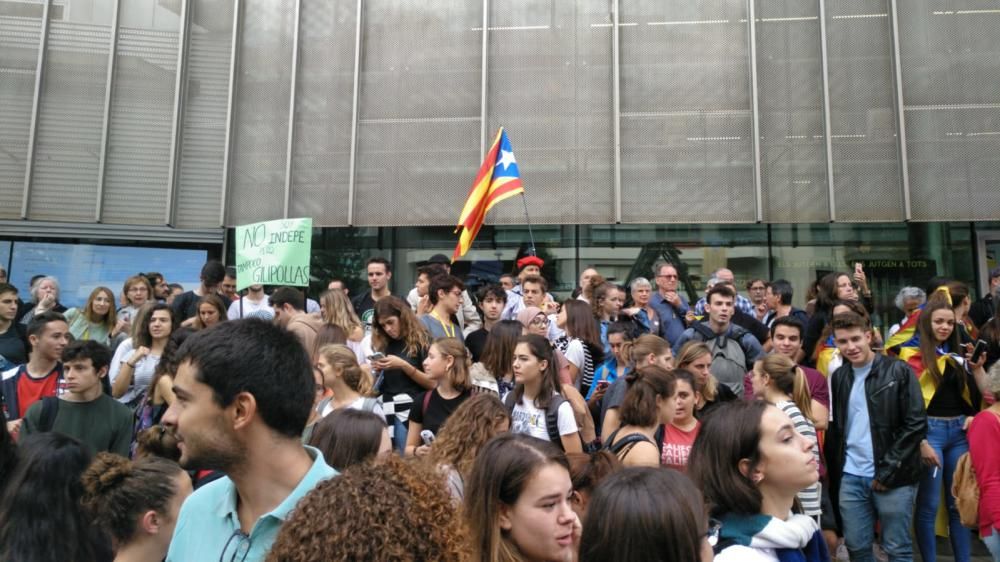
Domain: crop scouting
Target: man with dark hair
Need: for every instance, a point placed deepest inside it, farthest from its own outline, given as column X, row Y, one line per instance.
column 418, row 298
column 492, row 299
column 185, row 305
column 288, row 304
column 873, row 442
column 756, row 288
column 445, row 293
column 84, row 411
column 468, row 317
column 730, row 363
column 227, row 289
column 243, row 390
column 379, row 272
column 778, row 296
column 985, row 308
column 42, row 375
column 13, row 335
column 161, row 290
column 507, row 281
column 337, row 284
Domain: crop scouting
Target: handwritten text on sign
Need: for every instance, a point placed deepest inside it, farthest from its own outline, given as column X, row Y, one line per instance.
column 273, row 253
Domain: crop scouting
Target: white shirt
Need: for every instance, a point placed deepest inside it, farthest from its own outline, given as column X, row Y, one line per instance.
column 142, row 374
column 526, row 418
column 358, row 404
column 248, row 306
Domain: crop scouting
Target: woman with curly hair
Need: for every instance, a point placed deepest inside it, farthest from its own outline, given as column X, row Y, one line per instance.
column 135, row 503
column 410, row 517
column 517, row 502
column 467, row 430
column 400, row 342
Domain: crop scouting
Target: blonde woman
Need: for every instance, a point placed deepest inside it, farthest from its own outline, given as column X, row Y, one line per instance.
column 96, row 320
column 336, row 309
column 696, row 357
column 348, row 382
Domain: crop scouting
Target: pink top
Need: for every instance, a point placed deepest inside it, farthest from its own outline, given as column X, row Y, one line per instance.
column 677, row 446
column 984, row 435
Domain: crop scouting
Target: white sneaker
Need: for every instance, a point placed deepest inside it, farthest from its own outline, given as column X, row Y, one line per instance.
column 842, row 555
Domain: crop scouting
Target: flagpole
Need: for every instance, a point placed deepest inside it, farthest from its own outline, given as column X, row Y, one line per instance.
column 527, row 220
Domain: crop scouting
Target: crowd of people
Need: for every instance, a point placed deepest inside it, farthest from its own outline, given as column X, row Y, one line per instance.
column 498, row 424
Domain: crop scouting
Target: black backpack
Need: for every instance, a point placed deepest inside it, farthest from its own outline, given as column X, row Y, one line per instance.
column 730, row 362
column 50, row 409
column 551, row 415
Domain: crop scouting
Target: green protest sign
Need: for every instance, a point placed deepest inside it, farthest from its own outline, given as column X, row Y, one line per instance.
column 273, row 253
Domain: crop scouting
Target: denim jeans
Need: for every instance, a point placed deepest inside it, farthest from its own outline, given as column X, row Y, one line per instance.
column 948, row 440
column 400, row 429
column 861, row 507
column 993, row 544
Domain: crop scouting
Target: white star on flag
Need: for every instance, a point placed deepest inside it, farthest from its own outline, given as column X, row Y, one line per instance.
column 507, row 158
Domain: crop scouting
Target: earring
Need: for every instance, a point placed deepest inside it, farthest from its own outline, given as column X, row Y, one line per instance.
column 757, row 479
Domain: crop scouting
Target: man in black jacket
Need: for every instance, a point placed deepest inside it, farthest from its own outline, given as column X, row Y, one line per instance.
column 873, row 443
column 983, row 309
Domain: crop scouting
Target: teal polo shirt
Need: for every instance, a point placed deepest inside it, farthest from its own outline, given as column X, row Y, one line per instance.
column 208, row 526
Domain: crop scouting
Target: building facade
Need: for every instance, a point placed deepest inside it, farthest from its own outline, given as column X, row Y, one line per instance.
column 776, row 125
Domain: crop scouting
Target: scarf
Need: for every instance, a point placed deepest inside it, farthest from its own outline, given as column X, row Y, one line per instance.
column 797, row 539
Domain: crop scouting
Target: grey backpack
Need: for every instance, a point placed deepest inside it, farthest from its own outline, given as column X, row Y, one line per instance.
column 729, row 360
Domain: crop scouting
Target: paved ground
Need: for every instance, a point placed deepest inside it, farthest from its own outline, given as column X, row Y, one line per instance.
column 979, row 552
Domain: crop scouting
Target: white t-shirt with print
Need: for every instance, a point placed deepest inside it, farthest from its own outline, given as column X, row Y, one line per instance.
column 526, row 418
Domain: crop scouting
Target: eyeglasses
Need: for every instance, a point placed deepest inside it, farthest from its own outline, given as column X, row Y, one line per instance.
column 540, row 321
column 667, row 276
column 242, row 546
column 714, row 526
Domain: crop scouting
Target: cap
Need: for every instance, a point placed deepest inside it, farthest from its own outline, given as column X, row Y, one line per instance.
column 439, row 258
column 530, row 260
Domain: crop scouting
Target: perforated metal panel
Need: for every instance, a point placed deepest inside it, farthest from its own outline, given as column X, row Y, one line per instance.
column 260, row 135
column 790, row 92
column 71, row 114
column 687, row 151
column 866, row 167
column 322, row 143
column 418, row 134
column 142, row 110
column 203, row 129
column 20, row 36
column 550, row 84
column 950, row 61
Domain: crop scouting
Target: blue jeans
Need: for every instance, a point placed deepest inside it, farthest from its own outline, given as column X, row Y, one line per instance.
column 400, row 429
column 948, row 440
column 993, row 544
column 861, row 507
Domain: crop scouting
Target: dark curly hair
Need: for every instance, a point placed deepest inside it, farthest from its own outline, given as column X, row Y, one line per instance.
column 467, row 430
column 396, row 510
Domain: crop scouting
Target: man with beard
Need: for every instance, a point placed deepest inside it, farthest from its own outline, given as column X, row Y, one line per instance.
column 244, row 390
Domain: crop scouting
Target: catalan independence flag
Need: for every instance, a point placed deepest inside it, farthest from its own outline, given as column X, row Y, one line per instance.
column 498, row 179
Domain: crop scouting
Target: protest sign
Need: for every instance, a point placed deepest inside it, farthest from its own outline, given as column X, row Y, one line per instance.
column 273, row 253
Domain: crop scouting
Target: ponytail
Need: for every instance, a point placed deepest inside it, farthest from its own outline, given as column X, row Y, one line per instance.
column 788, row 378
column 644, row 386
column 800, row 393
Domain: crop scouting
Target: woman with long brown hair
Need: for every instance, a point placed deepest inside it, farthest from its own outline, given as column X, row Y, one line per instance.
column 648, row 405
column 495, row 371
column 400, row 343
column 447, row 364
column 581, row 344
column 96, row 320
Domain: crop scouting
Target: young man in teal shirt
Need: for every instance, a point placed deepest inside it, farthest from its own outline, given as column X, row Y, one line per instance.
column 244, row 390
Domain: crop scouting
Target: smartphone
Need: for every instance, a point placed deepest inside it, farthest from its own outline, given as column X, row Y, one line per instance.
column 427, row 436
column 977, row 351
column 858, row 268
column 377, row 356
column 602, row 385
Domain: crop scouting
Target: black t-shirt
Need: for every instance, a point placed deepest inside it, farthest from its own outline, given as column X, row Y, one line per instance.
column 947, row 401
column 723, row 394
column 438, row 409
column 14, row 344
column 752, row 325
column 476, row 342
column 364, row 307
column 185, row 306
column 395, row 381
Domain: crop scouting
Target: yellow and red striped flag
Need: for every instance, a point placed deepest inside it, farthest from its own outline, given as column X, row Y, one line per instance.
column 498, row 179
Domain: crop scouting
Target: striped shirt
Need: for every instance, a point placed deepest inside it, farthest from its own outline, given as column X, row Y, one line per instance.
column 810, row 497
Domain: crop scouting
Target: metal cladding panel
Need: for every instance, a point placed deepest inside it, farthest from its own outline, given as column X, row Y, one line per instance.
column 550, row 86
column 418, row 130
column 20, row 37
column 142, row 110
column 687, row 147
column 70, row 120
column 950, row 61
column 866, row 163
column 322, row 141
column 790, row 89
column 260, row 133
column 203, row 128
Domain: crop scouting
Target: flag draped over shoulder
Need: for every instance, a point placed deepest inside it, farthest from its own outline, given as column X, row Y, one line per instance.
column 498, row 179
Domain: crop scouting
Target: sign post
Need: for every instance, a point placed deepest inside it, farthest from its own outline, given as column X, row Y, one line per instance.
column 273, row 253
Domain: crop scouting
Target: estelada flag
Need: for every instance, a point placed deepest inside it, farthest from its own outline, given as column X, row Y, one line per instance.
column 498, row 179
